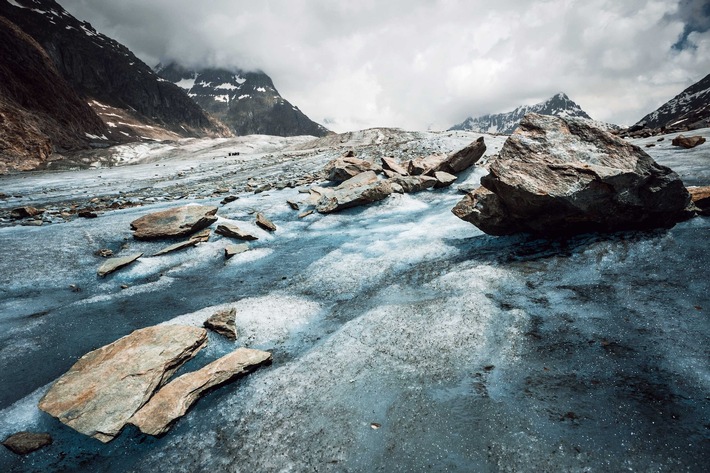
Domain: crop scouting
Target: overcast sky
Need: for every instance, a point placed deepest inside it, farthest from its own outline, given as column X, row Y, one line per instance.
column 419, row 64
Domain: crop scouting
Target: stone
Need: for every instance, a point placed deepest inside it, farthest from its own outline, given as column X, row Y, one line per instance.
column 419, row 166
column 558, row 176
column 391, row 164
column 201, row 236
column 688, row 142
column 265, row 223
column 177, row 246
column 176, row 397
column 228, row 199
column 701, row 199
column 414, row 183
column 87, row 214
column 293, row 205
column 443, row 179
column 233, row 231
column 114, row 264
column 223, row 322
column 23, row 443
column 104, row 253
column 362, row 189
column 462, row 159
column 106, row 387
column 231, row 250
column 173, row 223
column 24, row 212
column 305, row 214
column 344, row 168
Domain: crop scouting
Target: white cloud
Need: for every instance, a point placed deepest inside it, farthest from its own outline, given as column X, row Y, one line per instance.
column 418, row 63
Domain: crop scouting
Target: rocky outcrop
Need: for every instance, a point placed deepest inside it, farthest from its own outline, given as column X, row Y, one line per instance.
column 562, row 176
column 173, row 400
column 175, row 222
column 701, row 199
column 223, row 322
column 362, row 189
column 23, row 443
column 688, row 142
column 107, row 386
column 114, row 264
column 233, row 231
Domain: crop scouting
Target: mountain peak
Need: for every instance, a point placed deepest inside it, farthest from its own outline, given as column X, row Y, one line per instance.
column 688, row 110
column 559, row 105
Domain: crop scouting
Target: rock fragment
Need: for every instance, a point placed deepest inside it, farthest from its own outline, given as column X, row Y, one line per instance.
column 391, row 164
column 24, row 212
column 232, row 250
column 114, row 264
column 265, row 223
column 362, row 189
column 688, row 142
column 23, row 443
column 444, row 179
column 701, row 198
column 233, row 231
column 224, row 323
column 175, row 222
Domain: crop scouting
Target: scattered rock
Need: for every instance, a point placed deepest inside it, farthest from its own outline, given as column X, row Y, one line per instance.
column 562, row 176
column 293, row 205
column 444, row 179
column 391, row 164
column 701, row 198
column 175, row 222
column 74, row 288
column 113, row 264
column 650, row 145
column 202, row 236
column 228, row 199
column 688, row 142
column 173, row 400
column 103, row 253
column 660, row 139
column 342, row 169
column 265, row 223
column 305, row 214
column 23, row 443
column 102, row 391
column 414, row 183
column 349, row 154
column 24, row 212
column 176, row 247
column 231, row 250
column 223, row 322
column 453, row 163
column 233, row 231
column 362, row 189
column 87, row 214
column 419, row 166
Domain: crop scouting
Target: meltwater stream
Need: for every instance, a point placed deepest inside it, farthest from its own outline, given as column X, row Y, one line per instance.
column 404, row 339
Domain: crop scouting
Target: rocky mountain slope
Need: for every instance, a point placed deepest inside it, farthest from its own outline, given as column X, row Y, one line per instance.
column 247, row 102
column 119, row 86
column 559, row 105
column 688, row 110
column 39, row 111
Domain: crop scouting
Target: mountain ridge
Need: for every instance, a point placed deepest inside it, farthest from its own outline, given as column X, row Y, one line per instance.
column 686, row 111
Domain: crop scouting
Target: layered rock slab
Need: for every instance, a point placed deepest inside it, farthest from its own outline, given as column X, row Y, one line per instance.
column 102, row 391
column 173, row 223
column 563, row 176
column 175, row 398
column 362, row 189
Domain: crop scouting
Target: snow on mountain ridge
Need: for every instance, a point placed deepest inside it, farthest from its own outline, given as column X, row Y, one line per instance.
column 689, row 109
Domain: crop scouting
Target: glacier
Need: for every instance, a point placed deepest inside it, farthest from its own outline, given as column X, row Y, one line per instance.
column 404, row 339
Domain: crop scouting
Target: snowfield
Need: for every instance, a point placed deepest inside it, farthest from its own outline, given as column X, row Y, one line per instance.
column 404, row 339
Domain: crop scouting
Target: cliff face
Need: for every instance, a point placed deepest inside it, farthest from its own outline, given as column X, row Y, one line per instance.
column 247, row 102
column 100, row 68
column 39, row 111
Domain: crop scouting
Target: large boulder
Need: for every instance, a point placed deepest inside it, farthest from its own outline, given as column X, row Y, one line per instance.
column 452, row 163
column 173, row 223
column 391, row 164
column 688, row 142
column 362, row 189
column 173, row 400
column 102, row 391
column 563, row 176
column 342, row 169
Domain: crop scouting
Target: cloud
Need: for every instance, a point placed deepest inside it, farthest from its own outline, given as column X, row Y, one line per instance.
column 422, row 63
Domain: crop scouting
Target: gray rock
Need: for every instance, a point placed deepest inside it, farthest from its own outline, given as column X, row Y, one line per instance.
column 362, row 189
column 563, row 176
column 391, row 164
column 452, row 163
column 102, row 391
column 444, row 179
column 265, row 223
column 223, row 322
column 231, row 250
column 173, row 400
column 233, row 231
column 23, row 443
column 414, row 183
column 175, row 222
column 114, row 264
column 342, row 169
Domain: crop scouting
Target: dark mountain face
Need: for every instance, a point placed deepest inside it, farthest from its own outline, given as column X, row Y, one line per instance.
column 559, row 105
column 247, row 102
column 39, row 111
column 100, row 68
column 688, row 110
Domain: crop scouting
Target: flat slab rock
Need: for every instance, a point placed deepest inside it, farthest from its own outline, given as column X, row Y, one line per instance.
column 224, row 323
column 176, row 397
column 362, row 189
column 114, row 264
column 23, row 443
column 102, row 391
column 233, row 231
column 564, row 176
column 173, row 223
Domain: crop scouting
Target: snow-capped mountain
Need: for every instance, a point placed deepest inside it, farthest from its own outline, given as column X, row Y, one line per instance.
column 247, row 102
column 559, row 105
column 686, row 111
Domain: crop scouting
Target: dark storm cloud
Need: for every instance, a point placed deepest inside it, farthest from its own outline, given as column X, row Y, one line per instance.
column 420, row 63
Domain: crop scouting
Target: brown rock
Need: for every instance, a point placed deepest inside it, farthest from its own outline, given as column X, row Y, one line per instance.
column 342, row 169
column 444, row 179
column 391, row 164
column 265, row 223
column 175, row 222
column 177, row 246
column 414, row 183
column 305, row 214
column 173, row 400
column 231, row 250
column 102, row 391
column 701, row 198
column 562, row 176
column 688, row 142
column 453, row 163
column 228, row 199
column 233, row 231
column 87, row 214
column 114, row 264
column 201, row 237
column 293, row 205
column 23, row 443
column 24, row 212
column 362, row 189
column 223, row 322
